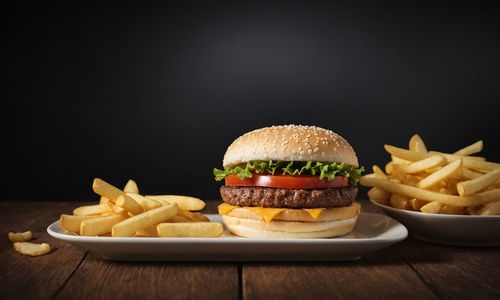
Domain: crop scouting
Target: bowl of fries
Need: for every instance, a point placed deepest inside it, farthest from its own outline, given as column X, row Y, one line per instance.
column 446, row 198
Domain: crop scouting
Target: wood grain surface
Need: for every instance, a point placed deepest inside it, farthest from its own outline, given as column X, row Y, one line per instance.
column 411, row 269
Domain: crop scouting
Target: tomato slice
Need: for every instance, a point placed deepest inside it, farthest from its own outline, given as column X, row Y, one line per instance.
column 288, row 181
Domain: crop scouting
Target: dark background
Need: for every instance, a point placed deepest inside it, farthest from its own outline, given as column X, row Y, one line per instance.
column 157, row 93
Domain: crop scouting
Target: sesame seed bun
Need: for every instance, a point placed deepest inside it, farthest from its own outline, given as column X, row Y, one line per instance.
column 290, row 143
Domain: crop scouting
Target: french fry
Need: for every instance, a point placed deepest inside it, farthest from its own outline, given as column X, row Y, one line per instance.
column 398, row 173
column 452, row 157
column 423, row 164
column 414, row 192
column 149, row 231
column 471, row 149
column 478, row 183
column 470, row 174
column 32, row 249
column 201, row 229
column 131, row 225
column 399, row 201
column 119, row 210
column 431, row 208
column 416, row 204
column 184, row 202
column 396, row 160
column 379, row 195
column 20, row 236
column 193, row 216
column 99, row 225
column 489, row 209
column 106, row 190
column 178, row 219
column 129, row 204
column 474, row 210
column 442, row 174
column 104, row 200
column 131, row 187
column 378, row 171
column 480, row 165
column 452, row 210
column 72, row 223
column 145, row 202
column 417, row 144
column 404, row 154
column 388, row 168
column 89, row 210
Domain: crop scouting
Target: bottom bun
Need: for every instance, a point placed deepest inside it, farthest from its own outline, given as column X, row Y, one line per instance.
column 286, row 229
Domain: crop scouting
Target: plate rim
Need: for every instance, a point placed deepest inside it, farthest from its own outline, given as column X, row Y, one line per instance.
column 399, row 236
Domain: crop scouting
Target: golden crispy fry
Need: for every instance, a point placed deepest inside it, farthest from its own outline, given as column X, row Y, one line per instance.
column 378, row 171
column 471, row 149
column 404, row 154
column 20, row 236
column 149, row 231
column 91, row 210
column 129, row 204
column 131, row 187
column 179, row 219
column 106, row 190
column 431, row 208
column 424, row 164
column 119, row 210
column 489, row 209
column 388, row 168
column 396, row 160
column 442, row 174
column 469, row 174
column 145, row 202
column 32, row 249
column 201, row 229
column 193, row 216
column 184, row 202
column 398, row 173
column 414, row 192
column 379, row 195
column 452, row 210
column 416, row 204
column 417, row 144
column 72, row 223
column 131, row 225
column 99, row 225
column 104, row 200
column 474, row 185
column 400, row 201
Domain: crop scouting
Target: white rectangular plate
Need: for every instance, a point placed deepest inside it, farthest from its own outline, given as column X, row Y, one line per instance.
column 372, row 232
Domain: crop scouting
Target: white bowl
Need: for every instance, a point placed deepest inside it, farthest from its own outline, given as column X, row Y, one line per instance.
column 458, row 230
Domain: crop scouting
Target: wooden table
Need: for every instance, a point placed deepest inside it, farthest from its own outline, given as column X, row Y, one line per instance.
column 411, row 269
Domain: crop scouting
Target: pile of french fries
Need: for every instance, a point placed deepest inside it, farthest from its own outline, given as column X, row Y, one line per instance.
column 436, row 182
column 126, row 213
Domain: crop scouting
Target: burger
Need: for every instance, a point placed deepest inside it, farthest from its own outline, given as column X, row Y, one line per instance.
column 289, row 182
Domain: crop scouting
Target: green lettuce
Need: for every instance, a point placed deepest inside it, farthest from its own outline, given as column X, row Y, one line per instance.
column 321, row 169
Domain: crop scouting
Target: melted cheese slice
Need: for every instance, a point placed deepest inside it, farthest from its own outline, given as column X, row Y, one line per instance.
column 267, row 214
column 225, row 208
column 314, row 212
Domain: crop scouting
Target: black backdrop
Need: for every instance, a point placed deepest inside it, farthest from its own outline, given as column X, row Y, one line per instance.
column 157, row 93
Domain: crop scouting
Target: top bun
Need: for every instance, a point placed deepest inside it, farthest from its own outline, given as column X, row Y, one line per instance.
column 290, row 143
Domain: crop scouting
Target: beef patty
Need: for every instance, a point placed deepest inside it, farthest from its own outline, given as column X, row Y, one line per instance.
column 288, row 198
